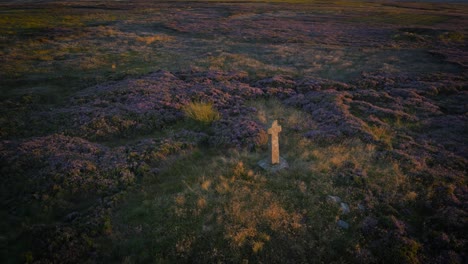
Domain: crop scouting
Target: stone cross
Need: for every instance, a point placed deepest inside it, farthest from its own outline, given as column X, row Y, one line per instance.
column 273, row 131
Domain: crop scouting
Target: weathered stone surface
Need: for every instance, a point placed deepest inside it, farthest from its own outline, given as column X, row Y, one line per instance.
column 334, row 199
column 361, row 207
column 273, row 131
column 342, row 224
column 344, row 208
column 274, row 162
column 266, row 165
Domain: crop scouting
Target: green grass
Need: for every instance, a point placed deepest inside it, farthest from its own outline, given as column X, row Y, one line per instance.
column 398, row 18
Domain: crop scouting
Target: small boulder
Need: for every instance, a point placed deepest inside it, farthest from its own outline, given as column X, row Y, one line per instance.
column 361, row 207
column 342, row 224
column 333, row 199
column 71, row 216
column 344, row 208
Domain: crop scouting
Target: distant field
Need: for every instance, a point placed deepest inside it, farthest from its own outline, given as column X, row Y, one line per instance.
column 130, row 131
column 77, row 45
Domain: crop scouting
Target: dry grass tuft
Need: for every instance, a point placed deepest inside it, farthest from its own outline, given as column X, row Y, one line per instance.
column 382, row 134
column 155, row 38
column 452, row 37
column 202, row 112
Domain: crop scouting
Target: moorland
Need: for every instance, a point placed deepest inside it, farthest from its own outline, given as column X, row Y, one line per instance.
column 130, row 131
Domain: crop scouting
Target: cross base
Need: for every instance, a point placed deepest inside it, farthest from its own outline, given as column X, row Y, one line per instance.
column 266, row 165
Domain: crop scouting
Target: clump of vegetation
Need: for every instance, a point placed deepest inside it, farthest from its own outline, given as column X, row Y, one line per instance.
column 155, row 38
column 202, row 112
column 452, row 37
column 382, row 134
column 408, row 36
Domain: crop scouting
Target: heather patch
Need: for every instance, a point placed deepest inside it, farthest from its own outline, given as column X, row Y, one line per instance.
column 373, row 140
column 149, row 104
column 58, row 179
column 63, row 166
column 62, row 188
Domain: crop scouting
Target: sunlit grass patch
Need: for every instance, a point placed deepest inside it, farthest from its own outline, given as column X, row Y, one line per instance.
column 202, row 112
column 92, row 63
column 291, row 118
column 155, row 38
column 355, row 164
column 382, row 134
column 247, row 212
column 224, row 208
column 248, row 62
column 328, row 158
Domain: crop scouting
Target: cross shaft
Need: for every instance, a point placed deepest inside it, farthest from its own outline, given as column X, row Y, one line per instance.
column 273, row 131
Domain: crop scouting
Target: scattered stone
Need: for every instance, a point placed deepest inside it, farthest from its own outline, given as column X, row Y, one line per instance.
column 342, row 224
column 361, row 207
column 344, row 208
column 333, row 199
column 155, row 170
column 266, row 165
column 207, row 228
column 71, row 216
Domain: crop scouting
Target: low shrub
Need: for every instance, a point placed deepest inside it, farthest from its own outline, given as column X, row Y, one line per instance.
column 452, row 37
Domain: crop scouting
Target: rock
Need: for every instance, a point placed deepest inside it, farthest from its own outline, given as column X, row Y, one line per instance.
column 266, row 165
column 71, row 216
column 361, row 207
column 207, row 228
column 342, row 224
column 154, row 170
column 333, row 199
column 344, row 208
